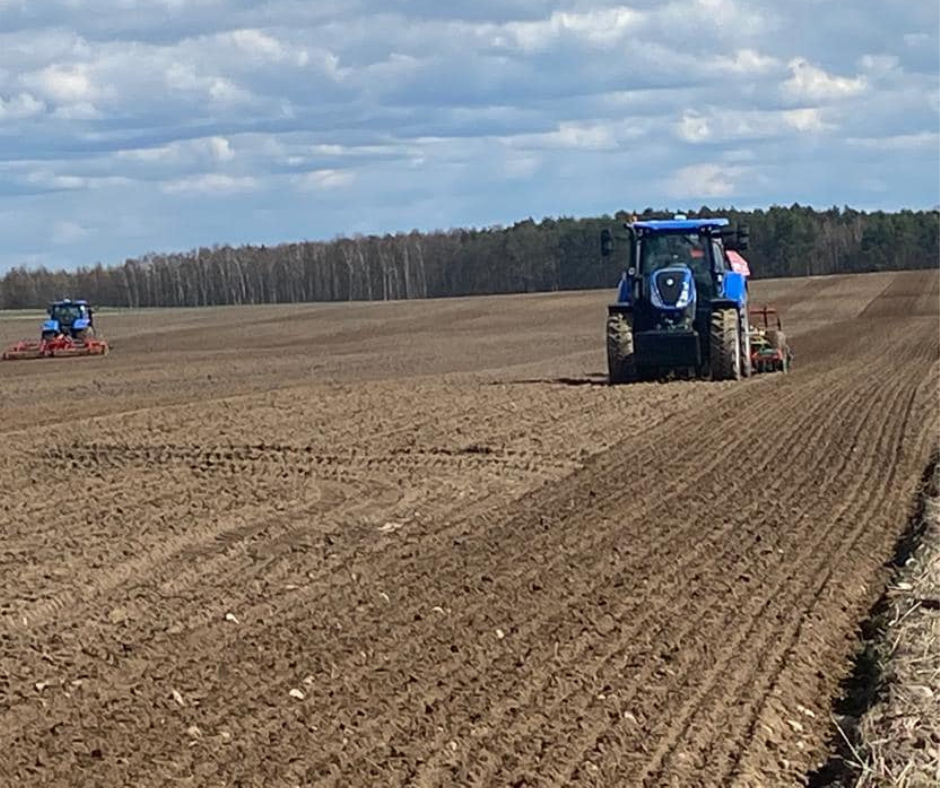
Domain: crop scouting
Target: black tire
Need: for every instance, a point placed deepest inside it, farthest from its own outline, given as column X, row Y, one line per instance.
column 725, row 345
column 621, row 362
column 745, row 341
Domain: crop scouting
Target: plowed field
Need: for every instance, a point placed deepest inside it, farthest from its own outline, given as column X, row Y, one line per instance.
column 422, row 544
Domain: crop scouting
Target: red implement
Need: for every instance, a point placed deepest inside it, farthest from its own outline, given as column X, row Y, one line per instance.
column 57, row 347
column 24, row 350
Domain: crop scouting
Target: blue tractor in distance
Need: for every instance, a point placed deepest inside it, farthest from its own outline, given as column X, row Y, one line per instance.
column 682, row 304
column 74, row 319
column 68, row 331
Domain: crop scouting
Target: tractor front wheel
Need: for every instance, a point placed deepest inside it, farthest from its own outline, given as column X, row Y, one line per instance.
column 621, row 361
column 725, row 345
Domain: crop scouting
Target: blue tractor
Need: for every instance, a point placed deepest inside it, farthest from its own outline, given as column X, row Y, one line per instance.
column 68, row 331
column 70, row 318
column 681, row 308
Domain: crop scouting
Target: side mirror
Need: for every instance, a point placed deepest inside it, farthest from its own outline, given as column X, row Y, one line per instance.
column 607, row 243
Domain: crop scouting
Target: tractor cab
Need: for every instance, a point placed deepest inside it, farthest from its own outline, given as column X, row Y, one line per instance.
column 681, row 250
column 703, row 247
column 70, row 318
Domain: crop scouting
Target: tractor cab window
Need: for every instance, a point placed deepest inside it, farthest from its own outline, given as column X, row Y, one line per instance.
column 663, row 251
column 718, row 252
column 69, row 313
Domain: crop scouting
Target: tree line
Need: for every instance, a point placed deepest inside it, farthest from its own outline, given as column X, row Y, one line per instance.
column 554, row 254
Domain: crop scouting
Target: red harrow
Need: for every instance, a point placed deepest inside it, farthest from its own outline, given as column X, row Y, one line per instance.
column 57, row 347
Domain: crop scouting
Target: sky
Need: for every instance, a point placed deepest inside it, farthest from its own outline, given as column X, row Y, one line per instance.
column 136, row 126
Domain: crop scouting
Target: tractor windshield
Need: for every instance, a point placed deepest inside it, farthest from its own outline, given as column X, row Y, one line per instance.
column 68, row 313
column 664, row 250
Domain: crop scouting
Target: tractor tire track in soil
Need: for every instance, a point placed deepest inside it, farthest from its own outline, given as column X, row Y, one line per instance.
column 433, row 575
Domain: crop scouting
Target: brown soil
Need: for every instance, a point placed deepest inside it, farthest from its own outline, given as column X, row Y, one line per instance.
column 412, row 544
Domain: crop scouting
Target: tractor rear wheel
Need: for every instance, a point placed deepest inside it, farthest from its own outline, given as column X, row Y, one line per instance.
column 725, row 345
column 621, row 361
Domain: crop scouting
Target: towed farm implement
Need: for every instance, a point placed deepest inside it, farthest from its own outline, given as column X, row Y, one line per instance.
column 69, row 331
column 770, row 351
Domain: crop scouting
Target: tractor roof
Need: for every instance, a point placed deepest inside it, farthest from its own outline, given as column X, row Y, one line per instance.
column 64, row 301
column 679, row 225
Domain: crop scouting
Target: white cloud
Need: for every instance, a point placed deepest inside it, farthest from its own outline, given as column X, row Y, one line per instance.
column 521, row 167
column 747, row 62
column 47, row 179
column 807, row 119
column 41, row 48
column 261, row 47
column 590, row 136
column 811, row 83
column 720, row 127
column 926, row 140
column 729, row 19
column 211, row 184
column 917, row 39
column 574, row 136
column 221, row 149
column 703, row 182
column 161, row 153
column 66, row 84
column 82, row 110
column 52, row 181
column 219, row 90
column 65, row 232
column 20, row 107
column 737, row 17
column 206, row 150
column 880, row 65
column 694, row 127
column 602, row 27
column 324, row 180
column 256, row 43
